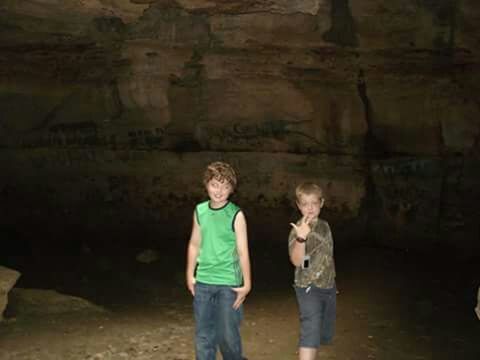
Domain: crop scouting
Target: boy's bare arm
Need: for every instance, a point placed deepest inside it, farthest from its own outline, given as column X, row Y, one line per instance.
column 244, row 257
column 192, row 253
column 297, row 253
column 297, row 249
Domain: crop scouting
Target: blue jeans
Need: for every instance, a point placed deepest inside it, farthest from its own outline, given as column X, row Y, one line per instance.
column 217, row 324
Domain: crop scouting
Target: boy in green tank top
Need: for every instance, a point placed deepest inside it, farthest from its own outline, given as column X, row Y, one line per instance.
column 218, row 267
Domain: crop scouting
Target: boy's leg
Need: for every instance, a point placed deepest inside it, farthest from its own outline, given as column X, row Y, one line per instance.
column 310, row 309
column 204, row 305
column 317, row 309
column 228, row 325
column 317, row 316
column 307, row 353
column 328, row 317
column 477, row 309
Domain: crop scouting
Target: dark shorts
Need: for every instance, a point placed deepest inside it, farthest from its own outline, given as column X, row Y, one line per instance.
column 317, row 309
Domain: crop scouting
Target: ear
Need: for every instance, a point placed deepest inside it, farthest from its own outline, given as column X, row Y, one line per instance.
column 322, row 202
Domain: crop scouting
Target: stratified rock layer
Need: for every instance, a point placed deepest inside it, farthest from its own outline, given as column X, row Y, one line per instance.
column 118, row 105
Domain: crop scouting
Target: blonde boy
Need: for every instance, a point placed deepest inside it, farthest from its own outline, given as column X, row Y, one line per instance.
column 310, row 246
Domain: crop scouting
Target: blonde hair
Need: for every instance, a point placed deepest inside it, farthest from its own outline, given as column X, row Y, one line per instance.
column 220, row 171
column 308, row 188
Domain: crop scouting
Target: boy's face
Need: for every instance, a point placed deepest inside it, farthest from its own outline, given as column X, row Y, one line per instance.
column 218, row 192
column 310, row 205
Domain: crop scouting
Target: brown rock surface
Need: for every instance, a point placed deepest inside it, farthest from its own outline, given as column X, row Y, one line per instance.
column 8, row 278
column 123, row 80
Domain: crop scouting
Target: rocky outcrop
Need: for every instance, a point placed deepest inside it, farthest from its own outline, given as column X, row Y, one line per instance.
column 37, row 302
column 8, row 278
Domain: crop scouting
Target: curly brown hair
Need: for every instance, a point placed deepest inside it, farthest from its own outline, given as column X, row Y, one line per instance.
column 220, row 171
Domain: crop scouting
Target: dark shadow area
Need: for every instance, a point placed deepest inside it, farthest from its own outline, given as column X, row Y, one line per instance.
column 392, row 304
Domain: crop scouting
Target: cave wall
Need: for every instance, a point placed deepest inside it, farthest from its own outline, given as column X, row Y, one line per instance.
column 111, row 109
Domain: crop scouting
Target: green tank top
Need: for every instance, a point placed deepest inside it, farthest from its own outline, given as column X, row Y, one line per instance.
column 217, row 261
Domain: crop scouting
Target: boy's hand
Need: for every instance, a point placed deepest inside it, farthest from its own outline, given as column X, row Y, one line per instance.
column 242, row 293
column 191, row 285
column 304, row 228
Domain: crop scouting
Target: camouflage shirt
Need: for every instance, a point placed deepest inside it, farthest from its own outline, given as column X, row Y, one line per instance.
column 319, row 247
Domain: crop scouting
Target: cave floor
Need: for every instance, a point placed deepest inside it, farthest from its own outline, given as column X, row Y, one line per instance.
column 390, row 306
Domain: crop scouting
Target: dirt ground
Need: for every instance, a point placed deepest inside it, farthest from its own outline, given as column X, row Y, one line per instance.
column 391, row 306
